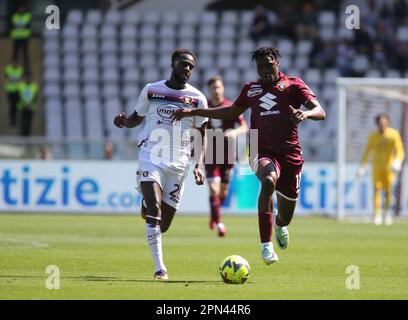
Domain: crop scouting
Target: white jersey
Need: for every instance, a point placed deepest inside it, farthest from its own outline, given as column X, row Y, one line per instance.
column 162, row 140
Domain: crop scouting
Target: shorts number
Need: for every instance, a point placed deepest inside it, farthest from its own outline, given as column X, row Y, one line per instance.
column 175, row 194
column 298, row 178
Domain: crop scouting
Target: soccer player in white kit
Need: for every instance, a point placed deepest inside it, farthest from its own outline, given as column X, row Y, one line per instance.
column 164, row 154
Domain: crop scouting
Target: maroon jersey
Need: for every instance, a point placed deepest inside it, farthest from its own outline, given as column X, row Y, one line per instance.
column 269, row 104
column 224, row 125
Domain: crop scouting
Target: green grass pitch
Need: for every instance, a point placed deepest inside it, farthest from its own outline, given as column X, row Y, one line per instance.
column 106, row 257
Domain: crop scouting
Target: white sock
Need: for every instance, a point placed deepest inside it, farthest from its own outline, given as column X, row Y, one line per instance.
column 153, row 236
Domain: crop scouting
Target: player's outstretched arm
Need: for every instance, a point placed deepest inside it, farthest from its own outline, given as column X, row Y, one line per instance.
column 198, row 168
column 223, row 113
column 315, row 112
column 122, row 121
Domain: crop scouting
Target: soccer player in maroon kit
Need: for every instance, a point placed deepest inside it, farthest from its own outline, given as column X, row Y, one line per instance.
column 275, row 101
column 218, row 174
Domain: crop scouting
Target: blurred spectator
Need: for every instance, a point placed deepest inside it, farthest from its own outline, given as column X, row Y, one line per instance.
column 260, row 27
column 344, row 55
column 108, row 151
column 400, row 12
column 286, row 22
column 28, row 94
column 306, row 26
column 379, row 60
column 323, row 55
column 401, row 56
column 20, row 33
column 44, row 153
column 13, row 75
column 362, row 40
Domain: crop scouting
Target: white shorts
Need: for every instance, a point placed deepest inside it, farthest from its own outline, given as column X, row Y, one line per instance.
column 170, row 181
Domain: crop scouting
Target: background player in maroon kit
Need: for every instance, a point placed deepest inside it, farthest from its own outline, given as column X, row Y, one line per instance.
column 218, row 175
column 275, row 101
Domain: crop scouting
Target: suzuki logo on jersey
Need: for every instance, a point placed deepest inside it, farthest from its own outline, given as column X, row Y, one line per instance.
column 268, row 102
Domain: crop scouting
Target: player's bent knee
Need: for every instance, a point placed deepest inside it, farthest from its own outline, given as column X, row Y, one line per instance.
column 268, row 183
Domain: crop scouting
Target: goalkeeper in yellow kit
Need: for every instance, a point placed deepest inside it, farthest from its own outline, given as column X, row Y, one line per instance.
column 387, row 154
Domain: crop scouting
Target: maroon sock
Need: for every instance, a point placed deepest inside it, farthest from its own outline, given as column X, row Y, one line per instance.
column 215, row 204
column 265, row 221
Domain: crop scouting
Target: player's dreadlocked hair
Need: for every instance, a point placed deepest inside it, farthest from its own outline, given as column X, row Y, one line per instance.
column 179, row 51
column 265, row 52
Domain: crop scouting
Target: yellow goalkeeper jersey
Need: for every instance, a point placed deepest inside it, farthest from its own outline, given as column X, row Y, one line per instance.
column 384, row 148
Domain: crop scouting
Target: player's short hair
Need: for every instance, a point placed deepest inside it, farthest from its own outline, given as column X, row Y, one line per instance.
column 265, row 52
column 381, row 115
column 180, row 51
column 214, row 79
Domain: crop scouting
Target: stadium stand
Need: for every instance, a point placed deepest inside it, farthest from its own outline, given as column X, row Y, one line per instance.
column 100, row 61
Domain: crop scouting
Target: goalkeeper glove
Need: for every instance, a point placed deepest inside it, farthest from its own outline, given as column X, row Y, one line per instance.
column 396, row 166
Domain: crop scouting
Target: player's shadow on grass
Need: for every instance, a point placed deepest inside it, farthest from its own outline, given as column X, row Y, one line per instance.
column 113, row 279
column 108, row 279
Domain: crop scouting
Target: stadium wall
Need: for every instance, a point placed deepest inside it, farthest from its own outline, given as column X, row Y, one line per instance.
column 109, row 187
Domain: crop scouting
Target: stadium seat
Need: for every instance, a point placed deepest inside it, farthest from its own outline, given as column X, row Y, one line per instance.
column 70, row 45
column 327, row 33
column 113, row 17
column 247, row 17
column 151, row 17
column 90, row 91
column 207, row 32
column 71, row 91
column 93, row 17
column 51, row 59
column 171, row 18
column 304, row 47
column 230, row 17
column 52, row 74
column 111, row 108
column 71, row 75
column 74, row 17
column 128, row 32
column 51, row 45
column 51, row 90
column 108, row 32
column 206, row 46
column 330, row 75
column 131, row 18
column 327, row 18
column 132, row 75
column 89, row 32
column 286, row 47
column 402, row 33
column 71, row 61
column 167, row 32
column 93, row 119
column 391, row 73
column 70, row 32
column 90, row 75
column 226, row 32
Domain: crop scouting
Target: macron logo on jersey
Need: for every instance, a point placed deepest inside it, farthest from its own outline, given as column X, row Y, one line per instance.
column 267, row 101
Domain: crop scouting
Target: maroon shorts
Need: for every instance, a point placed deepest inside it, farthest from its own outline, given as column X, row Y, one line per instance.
column 219, row 170
column 288, row 168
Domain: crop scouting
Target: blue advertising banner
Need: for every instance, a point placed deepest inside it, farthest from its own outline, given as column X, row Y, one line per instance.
column 109, row 187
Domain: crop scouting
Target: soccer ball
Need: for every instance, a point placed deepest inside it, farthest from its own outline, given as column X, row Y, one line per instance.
column 234, row 270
